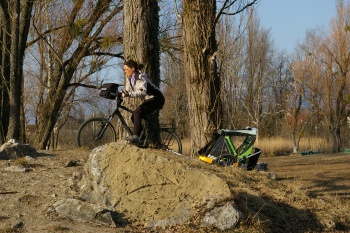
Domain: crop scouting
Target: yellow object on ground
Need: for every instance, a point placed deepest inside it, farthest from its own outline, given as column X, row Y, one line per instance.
column 206, row 159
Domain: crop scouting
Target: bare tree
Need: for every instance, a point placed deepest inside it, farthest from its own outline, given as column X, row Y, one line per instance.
column 175, row 110
column 257, row 71
column 327, row 59
column 277, row 91
column 336, row 50
column 16, row 17
column 295, row 121
column 80, row 37
column 230, row 34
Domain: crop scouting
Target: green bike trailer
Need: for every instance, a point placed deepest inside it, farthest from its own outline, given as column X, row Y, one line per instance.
column 232, row 147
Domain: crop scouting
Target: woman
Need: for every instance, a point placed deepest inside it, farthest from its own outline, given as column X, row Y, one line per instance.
column 138, row 85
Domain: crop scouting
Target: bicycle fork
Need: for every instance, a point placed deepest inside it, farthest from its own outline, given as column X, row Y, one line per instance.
column 103, row 128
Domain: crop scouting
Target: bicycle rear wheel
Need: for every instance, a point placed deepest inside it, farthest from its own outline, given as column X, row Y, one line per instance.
column 170, row 140
column 89, row 131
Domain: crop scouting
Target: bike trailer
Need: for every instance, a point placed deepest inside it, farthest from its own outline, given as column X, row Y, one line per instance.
column 232, row 147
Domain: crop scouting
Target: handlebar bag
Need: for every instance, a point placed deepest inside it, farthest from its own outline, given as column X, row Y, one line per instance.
column 109, row 90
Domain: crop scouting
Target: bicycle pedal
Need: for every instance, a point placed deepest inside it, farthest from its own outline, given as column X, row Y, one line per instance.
column 141, row 144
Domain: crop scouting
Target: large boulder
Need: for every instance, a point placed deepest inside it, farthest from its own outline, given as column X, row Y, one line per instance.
column 153, row 190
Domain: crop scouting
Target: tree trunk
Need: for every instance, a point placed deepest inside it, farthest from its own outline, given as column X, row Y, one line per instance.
column 296, row 107
column 295, row 143
column 51, row 109
column 15, row 79
column 140, row 40
column 5, row 71
column 14, row 37
column 336, row 140
column 202, row 81
column 22, row 45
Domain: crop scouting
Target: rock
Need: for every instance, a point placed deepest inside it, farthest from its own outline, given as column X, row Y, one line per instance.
column 224, row 217
column 17, row 169
column 72, row 163
column 73, row 181
column 29, row 158
column 328, row 224
column 83, row 211
column 147, row 188
column 271, row 175
column 13, row 150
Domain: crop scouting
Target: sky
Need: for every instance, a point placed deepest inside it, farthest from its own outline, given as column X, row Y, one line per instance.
column 289, row 20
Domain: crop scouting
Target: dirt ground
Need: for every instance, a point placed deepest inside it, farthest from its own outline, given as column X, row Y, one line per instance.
column 26, row 197
column 318, row 174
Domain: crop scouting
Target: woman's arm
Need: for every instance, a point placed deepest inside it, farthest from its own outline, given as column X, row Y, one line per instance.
column 140, row 88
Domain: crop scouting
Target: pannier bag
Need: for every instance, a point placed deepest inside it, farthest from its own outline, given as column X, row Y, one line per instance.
column 109, row 90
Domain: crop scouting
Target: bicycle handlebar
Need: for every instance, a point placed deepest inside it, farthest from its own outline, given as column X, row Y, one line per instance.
column 119, row 99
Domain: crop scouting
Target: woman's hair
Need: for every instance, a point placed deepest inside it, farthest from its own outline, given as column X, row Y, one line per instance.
column 134, row 64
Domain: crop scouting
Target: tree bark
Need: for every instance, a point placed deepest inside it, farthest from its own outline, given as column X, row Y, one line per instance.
column 5, row 70
column 202, row 81
column 17, row 16
column 336, row 139
column 140, row 40
column 15, row 79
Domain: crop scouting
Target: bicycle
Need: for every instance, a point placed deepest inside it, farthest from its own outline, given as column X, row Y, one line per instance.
column 97, row 131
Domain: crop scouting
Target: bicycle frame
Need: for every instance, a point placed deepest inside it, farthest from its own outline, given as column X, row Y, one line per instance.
column 117, row 113
column 153, row 135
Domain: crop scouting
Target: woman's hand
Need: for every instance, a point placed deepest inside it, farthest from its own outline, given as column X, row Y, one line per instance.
column 124, row 94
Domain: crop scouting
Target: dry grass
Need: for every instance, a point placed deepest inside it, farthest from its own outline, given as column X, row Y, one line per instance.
column 275, row 146
column 282, row 146
column 272, row 146
column 23, row 162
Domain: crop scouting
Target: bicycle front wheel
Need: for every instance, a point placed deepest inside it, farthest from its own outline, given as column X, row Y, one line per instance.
column 170, row 141
column 94, row 132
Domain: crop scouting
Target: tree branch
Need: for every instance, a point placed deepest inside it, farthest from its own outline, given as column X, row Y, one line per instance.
column 227, row 4
column 84, row 85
